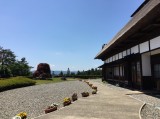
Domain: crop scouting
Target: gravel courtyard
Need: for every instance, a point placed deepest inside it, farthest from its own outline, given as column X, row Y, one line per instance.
column 35, row 99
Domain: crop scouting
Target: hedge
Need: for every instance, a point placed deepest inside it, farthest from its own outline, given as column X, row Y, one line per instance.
column 15, row 82
column 82, row 76
column 87, row 76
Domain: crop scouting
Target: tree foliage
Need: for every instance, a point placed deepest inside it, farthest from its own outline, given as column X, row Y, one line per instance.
column 9, row 66
column 68, row 72
column 90, row 72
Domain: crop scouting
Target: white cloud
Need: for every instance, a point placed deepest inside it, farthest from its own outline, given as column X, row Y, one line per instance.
column 58, row 53
column 52, row 66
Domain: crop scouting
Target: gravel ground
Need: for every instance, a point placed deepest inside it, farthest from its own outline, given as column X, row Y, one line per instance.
column 152, row 108
column 116, row 87
column 150, row 112
column 35, row 99
column 153, row 100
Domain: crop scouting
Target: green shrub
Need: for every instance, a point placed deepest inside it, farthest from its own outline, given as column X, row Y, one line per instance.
column 88, row 76
column 15, row 82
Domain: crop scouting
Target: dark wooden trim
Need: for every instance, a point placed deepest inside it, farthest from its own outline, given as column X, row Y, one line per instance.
column 149, row 45
column 142, row 85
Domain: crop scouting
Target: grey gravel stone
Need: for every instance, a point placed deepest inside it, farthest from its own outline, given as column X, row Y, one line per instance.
column 148, row 99
column 34, row 99
column 150, row 112
column 152, row 108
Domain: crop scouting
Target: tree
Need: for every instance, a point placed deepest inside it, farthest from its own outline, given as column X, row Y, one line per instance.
column 78, row 72
column 20, row 68
column 53, row 74
column 10, row 66
column 92, row 72
column 72, row 74
column 61, row 73
column 7, row 58
column 68, row 72
column 24, row 67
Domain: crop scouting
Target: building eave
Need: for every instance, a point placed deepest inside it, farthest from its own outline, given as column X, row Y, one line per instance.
column 140, row 19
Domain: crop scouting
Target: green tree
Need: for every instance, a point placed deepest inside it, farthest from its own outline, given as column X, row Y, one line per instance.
column 20, row 68
column 72, row 74
column 68, row 72
column 78, row 72
column 10, row 66
column 92, row 72
column 7, row 58
column 61, row 73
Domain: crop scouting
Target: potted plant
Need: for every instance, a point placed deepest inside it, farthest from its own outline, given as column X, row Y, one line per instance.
column 16, row 117
column 85, row 94
column 90, row 85
column 66, row 101
column 74, row 97
column 94, row 87
column 87, row 82
column 21, row 115
column 94, row 92
column 51, row 108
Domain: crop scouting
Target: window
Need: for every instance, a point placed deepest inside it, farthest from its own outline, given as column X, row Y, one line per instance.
column 116, row 71
column 138, row 70
column 157, row 71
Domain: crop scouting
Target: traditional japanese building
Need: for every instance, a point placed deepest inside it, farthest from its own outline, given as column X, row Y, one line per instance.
column 132, row 57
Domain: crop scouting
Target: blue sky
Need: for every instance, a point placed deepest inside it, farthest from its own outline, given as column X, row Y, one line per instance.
column 62, row 33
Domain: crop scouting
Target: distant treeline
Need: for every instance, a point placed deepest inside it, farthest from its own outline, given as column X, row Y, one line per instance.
column 92, row 73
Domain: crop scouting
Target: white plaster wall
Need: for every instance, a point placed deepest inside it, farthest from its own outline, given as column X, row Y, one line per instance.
column 146, row 64
column 154, row 52
column 116, row 56
column 128, row 52
column 124, row 53
column 134, row 49
column 155, row 43
column 111, row 59
column 144, row 47
column 120, row 55
column 106, row 61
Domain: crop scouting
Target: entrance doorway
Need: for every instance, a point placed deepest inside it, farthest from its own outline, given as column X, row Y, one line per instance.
column 136, row 74
column 156, row 74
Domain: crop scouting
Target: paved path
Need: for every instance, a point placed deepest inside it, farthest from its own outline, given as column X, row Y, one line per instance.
column 107, row 104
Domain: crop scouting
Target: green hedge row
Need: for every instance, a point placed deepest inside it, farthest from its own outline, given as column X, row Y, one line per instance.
column 88, row 76
column 15, row 82
column 82, row 76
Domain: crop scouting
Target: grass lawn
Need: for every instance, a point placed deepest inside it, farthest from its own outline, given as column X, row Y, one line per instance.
column 53, row 80
column 20, row 81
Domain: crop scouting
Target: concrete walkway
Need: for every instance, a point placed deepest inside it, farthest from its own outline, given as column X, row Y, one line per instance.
column 107, row 104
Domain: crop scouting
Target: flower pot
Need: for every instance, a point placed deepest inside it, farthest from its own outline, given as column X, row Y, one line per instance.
column 23, row 115
column 74, row 97
column 50, row 109
column 90, row 85
column 94, row 92
column 66, row 103
column 94, row 87
column 85, row 94
column 87, row 82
